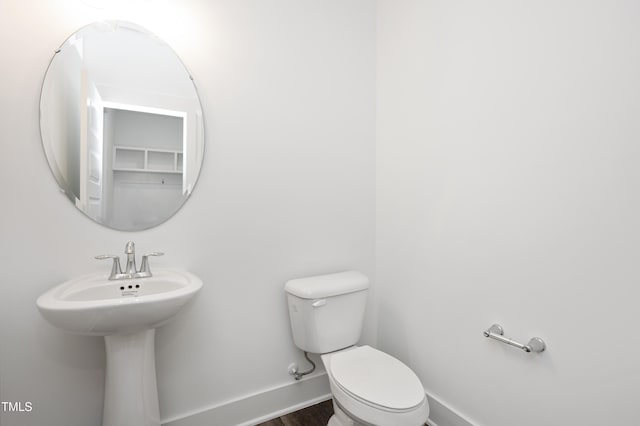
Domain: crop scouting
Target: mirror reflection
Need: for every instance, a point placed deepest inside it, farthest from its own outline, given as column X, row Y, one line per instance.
column 121, row 125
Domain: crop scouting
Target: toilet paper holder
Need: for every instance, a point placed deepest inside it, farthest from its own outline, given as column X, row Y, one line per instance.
column 496, row 332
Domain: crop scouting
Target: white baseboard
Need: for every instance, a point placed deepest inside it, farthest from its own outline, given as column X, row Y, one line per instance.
column 440, row 414
column 259, row 407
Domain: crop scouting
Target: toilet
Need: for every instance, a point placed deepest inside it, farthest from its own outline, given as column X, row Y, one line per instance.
column 369, row 387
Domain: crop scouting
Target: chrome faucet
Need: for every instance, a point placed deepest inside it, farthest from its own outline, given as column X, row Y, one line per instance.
column 130, row 270
column 130, row 251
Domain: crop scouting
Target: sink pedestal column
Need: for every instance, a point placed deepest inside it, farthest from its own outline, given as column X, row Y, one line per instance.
column 131, row 392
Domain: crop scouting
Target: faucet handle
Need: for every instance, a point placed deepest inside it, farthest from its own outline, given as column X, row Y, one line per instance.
column 116, row 270
column 144, row 267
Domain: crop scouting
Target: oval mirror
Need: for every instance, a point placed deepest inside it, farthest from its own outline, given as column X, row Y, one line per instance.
column 121, row 125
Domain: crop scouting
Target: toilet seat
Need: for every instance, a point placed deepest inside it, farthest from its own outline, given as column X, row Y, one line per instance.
column 377, row 379
column 376, row 388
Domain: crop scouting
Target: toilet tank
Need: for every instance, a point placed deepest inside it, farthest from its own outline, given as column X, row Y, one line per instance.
column 327, row 311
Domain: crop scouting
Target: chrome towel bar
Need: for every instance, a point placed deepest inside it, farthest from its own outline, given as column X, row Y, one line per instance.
column 496, row 332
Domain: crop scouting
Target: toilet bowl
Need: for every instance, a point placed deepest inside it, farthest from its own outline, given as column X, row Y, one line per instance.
column 373, row 388
column 369, row 387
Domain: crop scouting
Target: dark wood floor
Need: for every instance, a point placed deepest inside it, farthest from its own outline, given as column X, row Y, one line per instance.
column 316, row 415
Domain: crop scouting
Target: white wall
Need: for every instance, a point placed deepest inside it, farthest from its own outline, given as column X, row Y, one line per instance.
column 508, row 191
column 286, row 190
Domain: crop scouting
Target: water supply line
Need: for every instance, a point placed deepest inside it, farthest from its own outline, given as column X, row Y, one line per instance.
column 293, row 368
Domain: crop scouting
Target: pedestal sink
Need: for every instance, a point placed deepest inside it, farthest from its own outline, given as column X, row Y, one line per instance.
column 126, row 312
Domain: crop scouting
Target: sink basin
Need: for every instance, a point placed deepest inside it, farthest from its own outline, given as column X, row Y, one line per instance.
column 126, row 313
column 93, row 305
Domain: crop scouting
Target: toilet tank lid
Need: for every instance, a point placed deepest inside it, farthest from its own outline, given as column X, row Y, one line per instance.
column 327, row 285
